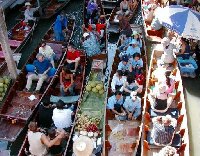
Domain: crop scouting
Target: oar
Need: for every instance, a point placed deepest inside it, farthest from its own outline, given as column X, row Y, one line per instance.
column 40, row 9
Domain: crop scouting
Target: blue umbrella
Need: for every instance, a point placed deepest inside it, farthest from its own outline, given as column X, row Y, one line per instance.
column 183, row 20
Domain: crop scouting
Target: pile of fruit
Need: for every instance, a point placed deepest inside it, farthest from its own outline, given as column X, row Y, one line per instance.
column 86, row 123
column 4, row 82
column 95, row 86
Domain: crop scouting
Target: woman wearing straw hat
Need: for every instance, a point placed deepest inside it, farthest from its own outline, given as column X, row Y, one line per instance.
column 83, row 146
column 29, row 13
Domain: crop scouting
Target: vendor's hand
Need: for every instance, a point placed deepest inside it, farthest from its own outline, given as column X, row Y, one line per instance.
column 130, row 116
column 83, row 26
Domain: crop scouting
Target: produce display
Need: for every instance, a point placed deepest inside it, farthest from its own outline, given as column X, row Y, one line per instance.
column 95, row 86
column 86, row 123
column 4, row 83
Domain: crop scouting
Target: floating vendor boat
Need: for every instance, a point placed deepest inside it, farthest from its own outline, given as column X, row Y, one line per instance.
column 17, row 38
column 175, row 111
column 20, row 105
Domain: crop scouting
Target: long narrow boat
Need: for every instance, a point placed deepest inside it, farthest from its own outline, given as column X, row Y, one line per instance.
column 53, row 8
column 111, row 142
column 91, row 105
column 17, row 109
column 54, row 91
column 177, row 110
column 18, row 37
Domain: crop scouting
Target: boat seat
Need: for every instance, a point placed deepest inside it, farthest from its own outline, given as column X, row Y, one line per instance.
column 14, row 43
column 65, row 99
column 176, row 142
column 158, row 33
column 171, row 111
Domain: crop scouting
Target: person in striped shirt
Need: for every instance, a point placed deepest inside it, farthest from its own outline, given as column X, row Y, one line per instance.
column 163, row 130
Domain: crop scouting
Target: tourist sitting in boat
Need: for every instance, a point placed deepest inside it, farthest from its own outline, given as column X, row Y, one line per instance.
column 136, row 64
column 160, row 98
column 133, row 5
column 48, row 53
column 67, row 84
column 115, row 104
column 45, row 114
column 132, row 106
column 93, row 30
column 124, row 65
column 131, row 85
column 117, row 81
column 29, row 13
column 56, row 149
column 184, row 49
column 91, row 44
column 124, row 44
column 39, row 142
column 124, row 7
column 133, row 48
column 62, row 117
column 72, row 58
column 124, row 25
column 163, row 130
column 42, row 66
column 168, row 56
column 137, row 37
column 168, row 151
column 59, row 30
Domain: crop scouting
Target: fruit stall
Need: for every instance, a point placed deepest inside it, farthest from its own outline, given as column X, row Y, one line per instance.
column 90, row 117
column 5, row 83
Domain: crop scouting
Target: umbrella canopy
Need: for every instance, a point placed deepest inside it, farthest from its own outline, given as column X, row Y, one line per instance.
column 183, row 20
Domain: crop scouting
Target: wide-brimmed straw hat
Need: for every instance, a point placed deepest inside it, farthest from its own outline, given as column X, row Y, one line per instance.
column 83, row 146
column 85, row 34
column 27, row 4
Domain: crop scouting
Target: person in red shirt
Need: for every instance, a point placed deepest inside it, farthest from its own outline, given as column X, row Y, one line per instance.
column 72, row 57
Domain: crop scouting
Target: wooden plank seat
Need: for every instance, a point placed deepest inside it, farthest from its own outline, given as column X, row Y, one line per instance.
column 176, row 142
column 174, row 112
column 14, row 43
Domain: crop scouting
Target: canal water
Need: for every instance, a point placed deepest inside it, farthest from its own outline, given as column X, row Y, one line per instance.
column 75, row 7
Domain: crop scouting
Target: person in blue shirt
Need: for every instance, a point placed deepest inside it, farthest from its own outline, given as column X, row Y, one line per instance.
column 58, row 29
column 42, row 66
column 136, row 64
column 133, row 48
column 137, row 37
column 124, row 65
column 115, row 104
column 132, row 106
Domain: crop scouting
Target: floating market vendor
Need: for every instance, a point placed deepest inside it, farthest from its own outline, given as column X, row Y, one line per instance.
column 29, row 13
column 91, row 44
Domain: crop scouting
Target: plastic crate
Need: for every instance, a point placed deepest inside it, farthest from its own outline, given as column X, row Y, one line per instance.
column 188, row 65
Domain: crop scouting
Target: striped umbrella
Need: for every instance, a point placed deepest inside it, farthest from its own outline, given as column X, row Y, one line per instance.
column 183, row 20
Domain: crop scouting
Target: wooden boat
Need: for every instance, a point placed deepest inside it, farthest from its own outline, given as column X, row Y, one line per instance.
column 177, row 110
column 18, row 37
column 53, row 8
column 17, row 108
column 111, row 122
column 54, row 90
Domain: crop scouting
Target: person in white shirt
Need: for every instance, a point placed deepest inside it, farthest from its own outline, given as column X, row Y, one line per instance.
column 62, row 117
column 39, row 142
column 118, row 81
column 29, row 13
column 48, row 53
